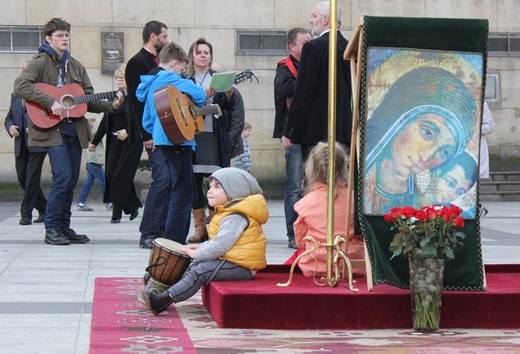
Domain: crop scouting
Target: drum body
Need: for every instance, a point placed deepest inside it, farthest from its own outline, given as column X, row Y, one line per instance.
column 167, row 261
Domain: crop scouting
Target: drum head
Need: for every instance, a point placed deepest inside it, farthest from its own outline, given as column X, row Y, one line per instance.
column 170, row 245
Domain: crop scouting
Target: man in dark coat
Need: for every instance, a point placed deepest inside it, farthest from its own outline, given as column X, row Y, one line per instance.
column 307, row 122
column 28, row 163
column 155, row 36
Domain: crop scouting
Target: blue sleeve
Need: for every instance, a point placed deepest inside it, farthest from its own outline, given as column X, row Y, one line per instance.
column 196, row 92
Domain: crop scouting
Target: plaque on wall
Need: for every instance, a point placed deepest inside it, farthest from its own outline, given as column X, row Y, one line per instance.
column 112, row 51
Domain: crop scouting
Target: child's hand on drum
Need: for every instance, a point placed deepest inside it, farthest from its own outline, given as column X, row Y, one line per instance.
column 190, row 250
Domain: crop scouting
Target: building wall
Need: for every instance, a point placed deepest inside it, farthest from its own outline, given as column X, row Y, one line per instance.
column 217, row 22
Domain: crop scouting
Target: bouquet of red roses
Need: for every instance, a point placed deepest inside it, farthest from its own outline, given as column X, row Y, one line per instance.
column 430, row 232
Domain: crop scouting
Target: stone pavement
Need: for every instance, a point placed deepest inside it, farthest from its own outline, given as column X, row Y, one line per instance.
column 47, row 291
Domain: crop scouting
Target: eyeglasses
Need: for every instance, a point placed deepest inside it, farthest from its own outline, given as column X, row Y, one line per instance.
column 316, row 16
column 120, row 77
column 61, row 35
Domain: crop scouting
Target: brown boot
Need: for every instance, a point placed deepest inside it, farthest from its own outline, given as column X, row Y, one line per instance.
column 211, row 214
column 201, row 233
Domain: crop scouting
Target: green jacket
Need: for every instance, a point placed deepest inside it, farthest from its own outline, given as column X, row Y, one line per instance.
column 43, row 68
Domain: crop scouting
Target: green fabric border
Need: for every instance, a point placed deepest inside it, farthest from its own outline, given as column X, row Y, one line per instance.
column 466, row 271
column 462, row 35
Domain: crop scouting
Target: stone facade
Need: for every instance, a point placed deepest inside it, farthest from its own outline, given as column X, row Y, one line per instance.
column 217, row 21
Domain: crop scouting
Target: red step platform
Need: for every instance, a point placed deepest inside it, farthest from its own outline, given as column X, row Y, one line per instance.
column 261, row 304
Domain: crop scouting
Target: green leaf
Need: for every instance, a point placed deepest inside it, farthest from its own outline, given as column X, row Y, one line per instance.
column 449, row 253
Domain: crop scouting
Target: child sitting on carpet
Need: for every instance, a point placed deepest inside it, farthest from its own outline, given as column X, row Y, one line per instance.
column 237, row 244
column 312, row 211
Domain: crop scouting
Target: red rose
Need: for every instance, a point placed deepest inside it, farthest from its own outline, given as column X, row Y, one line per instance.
column 458, row 222
column 432, row 212
column 446, row 214
column 455, row 210
column 393, row 215
column 421, row 215
column 408, row 211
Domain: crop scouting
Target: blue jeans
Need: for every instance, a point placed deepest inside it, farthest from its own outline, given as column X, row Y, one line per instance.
column 293, row 185
column 65, row 166
column 158, row 198
column 94, row 172
column 182, row 194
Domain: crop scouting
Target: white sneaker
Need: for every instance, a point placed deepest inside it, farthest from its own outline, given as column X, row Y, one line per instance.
column 84, row 208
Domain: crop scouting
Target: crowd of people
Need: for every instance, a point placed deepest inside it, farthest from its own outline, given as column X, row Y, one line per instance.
column 233, row 245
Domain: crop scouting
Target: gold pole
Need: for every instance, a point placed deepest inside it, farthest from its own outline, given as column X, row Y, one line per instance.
column 333, row 39
column 332, row 262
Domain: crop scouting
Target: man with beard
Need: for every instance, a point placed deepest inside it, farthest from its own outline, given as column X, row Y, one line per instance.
column 155, row 36
column 307, row 122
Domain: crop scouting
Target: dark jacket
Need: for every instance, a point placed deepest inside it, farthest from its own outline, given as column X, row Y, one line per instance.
column 307, row 122
column 234, row 121
column 284, row 82
column 121, row 161
column 18, row 116
column 140, row 64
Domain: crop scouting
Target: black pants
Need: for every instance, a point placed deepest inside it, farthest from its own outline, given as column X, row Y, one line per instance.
column 29, row 172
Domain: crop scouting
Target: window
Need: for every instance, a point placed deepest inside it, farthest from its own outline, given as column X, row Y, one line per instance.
column 504, row 44
column 20, row 39
column 492, row 88
column 261, row 42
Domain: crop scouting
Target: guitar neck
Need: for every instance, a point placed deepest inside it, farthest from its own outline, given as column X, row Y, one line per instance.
column 95, row 97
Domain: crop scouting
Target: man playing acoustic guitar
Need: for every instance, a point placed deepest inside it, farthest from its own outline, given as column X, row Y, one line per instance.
column 65, row 140
column 178, row 156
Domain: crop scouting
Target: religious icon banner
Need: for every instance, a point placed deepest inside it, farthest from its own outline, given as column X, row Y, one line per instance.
column 420, row 111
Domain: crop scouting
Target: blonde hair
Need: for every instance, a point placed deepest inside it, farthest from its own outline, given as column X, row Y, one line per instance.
column 120, row 70
column 316, row 167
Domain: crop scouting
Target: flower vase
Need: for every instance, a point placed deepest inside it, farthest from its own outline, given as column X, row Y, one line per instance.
column 426, row 277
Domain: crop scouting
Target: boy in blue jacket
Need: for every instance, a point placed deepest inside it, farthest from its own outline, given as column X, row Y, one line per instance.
column 172, row 61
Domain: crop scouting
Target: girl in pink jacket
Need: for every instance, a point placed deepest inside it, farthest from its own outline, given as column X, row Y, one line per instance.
column 312, row 211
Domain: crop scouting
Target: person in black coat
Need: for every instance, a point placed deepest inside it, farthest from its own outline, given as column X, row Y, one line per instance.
column 307, row 122
column 28, row 162
column 155, row 36
column 121, row 158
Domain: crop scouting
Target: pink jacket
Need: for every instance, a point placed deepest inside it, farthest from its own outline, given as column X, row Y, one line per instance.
column 312, row 220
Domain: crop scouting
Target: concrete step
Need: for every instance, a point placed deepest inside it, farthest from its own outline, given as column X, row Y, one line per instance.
column 501, row 186
column 500, row 197
column 504, row 176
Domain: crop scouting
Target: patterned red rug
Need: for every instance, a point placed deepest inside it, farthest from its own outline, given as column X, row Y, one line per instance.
column 120, row 323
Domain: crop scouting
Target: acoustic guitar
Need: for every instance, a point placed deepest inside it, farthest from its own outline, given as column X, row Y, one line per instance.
column 180, row 118
column 71, row 96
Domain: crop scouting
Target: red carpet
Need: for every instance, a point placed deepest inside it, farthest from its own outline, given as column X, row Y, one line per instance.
column 121, row 324
column 259, row 303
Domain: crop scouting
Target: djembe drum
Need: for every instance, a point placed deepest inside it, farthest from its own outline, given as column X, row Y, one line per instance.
column 166, row 266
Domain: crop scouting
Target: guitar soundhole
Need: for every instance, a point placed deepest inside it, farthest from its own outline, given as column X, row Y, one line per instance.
column 67, row 101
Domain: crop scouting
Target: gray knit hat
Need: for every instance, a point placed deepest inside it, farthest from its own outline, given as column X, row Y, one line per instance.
column 237, row 183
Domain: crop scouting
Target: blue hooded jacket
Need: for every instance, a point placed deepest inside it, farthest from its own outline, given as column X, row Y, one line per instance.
column 149, row 84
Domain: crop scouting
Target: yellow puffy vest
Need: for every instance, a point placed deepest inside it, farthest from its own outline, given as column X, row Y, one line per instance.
column 249, row 250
